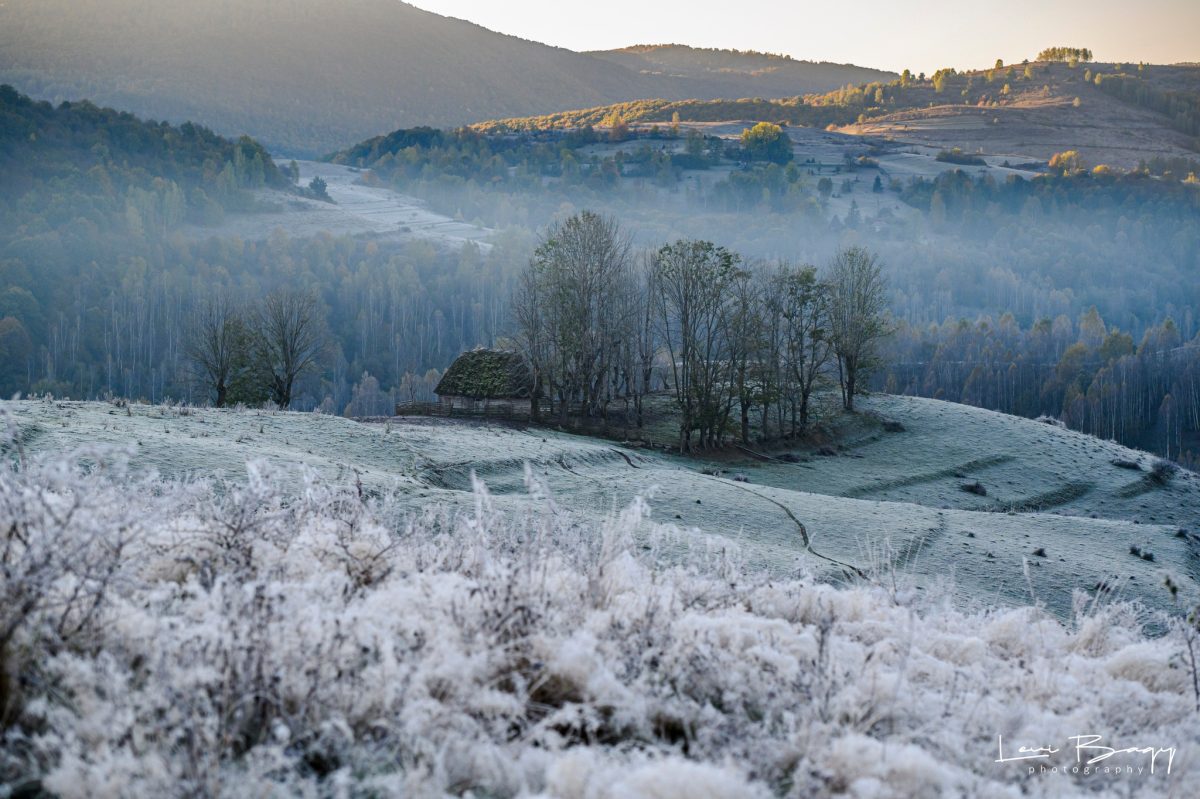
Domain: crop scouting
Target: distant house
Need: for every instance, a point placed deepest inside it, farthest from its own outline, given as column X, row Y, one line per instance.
column 486, row 380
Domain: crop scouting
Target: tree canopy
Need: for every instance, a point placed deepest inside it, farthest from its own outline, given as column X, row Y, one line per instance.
column 767, row 141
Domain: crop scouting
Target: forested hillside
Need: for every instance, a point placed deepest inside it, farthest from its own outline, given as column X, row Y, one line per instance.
column 308, row 77
column 741, row 73
column 1095, row 377
column 1116, row 114
column 966, row 244
column 99, row 289
column 962, row 242
column 97, row 164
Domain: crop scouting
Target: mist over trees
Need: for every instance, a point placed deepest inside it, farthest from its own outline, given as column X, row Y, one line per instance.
column 575, row 314
column 107, row 268
column 602, row 325
column 1095, row 377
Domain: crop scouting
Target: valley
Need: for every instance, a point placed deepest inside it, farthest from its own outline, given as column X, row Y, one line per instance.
column 356, row 209
column 392, row 406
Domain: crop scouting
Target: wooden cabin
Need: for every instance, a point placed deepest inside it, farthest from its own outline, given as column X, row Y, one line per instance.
column 486, row 381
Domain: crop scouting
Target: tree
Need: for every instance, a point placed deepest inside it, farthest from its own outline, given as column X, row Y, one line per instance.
column 857, row 303
column 767, row 142
column 16, row 350
column 574, row 311
column 289, row 339
column 218, row 348
column 853, row 216
column 618, row 128
column 802, row 303
column 690, row 300
column 1066, row 162
column 319, row 189
column 745, row 343
column 1065, row 54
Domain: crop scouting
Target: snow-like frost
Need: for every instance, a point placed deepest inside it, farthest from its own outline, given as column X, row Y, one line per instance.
column 227, row 639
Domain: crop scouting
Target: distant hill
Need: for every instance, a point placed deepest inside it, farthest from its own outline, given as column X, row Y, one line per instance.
column 740, row 73
column 1115, row 114
column 78, row 167
column 311, row 76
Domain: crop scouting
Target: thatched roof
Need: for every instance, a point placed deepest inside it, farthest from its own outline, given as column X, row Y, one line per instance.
column 487, row 374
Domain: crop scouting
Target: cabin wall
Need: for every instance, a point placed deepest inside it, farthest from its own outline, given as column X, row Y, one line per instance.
column 514, row 406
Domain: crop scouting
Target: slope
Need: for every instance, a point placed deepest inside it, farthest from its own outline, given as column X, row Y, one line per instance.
column 1110, row 113
column 741, row 73
column 304, row 76
column 1055, row 108
column 1058, row 517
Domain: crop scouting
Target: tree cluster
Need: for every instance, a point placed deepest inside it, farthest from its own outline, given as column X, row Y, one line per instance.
column 767, row 141
column 602, row 326
column 1093, row 376
column 1065, row 54
column 77, row 164
column 1182, row 108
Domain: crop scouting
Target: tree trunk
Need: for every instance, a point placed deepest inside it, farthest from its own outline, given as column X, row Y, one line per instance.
column 851, row 379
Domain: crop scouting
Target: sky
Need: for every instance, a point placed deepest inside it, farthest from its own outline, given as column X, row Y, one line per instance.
column 887, row 34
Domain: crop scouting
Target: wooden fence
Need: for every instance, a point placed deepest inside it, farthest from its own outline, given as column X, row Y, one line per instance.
column 500, row 411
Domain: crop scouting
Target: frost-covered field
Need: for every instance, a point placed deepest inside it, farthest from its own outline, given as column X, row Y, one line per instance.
column 285, row 634
column 889, row 501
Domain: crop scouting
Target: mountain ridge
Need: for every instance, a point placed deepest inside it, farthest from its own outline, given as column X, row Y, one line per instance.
column 308, row 77
column 764, row 74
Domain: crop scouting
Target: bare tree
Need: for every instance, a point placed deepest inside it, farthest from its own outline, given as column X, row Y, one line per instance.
column 573, row 311
column 289, row 339
column 532, row 336
column 746, row 346
column 645, row 341
column 215, row 347
column 857, row 302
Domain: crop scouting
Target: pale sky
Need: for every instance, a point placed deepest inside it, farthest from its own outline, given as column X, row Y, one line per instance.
column 888, row 34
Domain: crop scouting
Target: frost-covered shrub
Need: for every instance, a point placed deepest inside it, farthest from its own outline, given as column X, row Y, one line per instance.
column 242, row 639
column 1163, row 470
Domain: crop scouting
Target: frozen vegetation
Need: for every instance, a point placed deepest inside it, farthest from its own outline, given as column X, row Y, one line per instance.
column 287, row 633
column 883, row 501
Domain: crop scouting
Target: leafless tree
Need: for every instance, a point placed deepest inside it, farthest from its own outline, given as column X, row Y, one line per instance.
column 218, row 335
column 746, row 346
column 857, row 302
column 573, row 310
column 289, row 338
column 531, row 336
